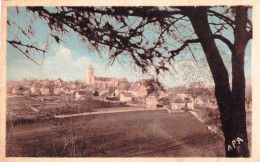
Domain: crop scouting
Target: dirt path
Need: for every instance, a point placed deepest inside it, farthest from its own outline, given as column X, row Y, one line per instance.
column 108, row 112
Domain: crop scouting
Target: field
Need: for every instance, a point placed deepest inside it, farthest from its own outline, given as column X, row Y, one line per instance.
column 142, row 134
column 19, row 109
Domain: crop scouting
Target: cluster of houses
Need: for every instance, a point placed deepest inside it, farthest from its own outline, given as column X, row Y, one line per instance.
column 144, row 91
column 41, row 87
column 178, row 101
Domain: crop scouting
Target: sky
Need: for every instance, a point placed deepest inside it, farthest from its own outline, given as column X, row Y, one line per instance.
column 69, row 60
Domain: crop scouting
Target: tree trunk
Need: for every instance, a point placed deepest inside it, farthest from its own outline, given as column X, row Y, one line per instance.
column 241, row 39
column 232, row 114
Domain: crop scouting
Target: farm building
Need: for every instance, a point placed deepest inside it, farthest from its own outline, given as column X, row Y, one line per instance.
column 152, row 99
column 179, row 103
column 163, row 102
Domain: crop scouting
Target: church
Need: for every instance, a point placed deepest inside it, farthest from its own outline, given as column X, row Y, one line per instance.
column 100, row 82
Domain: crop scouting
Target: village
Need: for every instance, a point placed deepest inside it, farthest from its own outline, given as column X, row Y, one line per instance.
column 93, row 106
column 145, row 93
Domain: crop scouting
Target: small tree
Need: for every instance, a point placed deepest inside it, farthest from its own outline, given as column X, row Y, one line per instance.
column 197, row 89
column 96, row 93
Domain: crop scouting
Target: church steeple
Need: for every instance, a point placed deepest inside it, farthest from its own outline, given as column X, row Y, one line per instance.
column 90, row 75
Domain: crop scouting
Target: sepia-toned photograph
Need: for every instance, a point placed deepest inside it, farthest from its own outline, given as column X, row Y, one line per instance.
column 128, row 81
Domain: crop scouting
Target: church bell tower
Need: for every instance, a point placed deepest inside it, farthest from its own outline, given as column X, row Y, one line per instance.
column 90, row 76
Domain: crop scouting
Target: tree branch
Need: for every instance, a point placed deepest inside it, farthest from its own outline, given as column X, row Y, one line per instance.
column 26, row 55
column 185, row 44
column 226, row 41
column 25, row 45
column 139, row 12
column 222, row 17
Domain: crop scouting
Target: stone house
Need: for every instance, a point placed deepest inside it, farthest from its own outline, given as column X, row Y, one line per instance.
column 80, row 95
column 139, row 91
column 45, row 90
column 152, row 99
column 180, row 104
column 126, row 97
column 163, row 102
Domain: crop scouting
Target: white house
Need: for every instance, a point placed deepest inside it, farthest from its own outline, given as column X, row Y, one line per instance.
column 126, row 97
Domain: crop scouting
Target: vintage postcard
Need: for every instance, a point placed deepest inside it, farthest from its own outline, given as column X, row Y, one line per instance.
column 152, row 79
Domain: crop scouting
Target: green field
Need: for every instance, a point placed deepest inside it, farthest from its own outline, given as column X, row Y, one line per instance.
column 142, row 134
